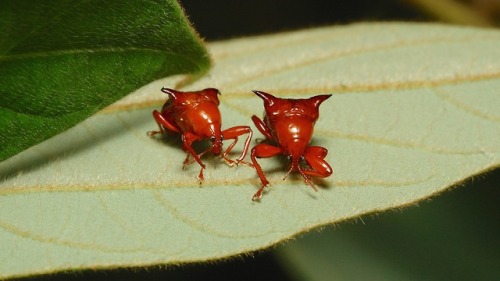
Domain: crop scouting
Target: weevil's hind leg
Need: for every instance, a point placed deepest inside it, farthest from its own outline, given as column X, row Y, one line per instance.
column 162, row 124
column 262, row 127
column 186, row 161
column 187, row 140
column 200, row 176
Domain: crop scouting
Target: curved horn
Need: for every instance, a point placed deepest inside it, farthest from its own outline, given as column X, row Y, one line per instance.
column 268, row 98
column 170, row 92
column 317, row 100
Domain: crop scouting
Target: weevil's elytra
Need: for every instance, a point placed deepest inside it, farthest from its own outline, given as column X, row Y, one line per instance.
column 288, row 127
column 196, row 117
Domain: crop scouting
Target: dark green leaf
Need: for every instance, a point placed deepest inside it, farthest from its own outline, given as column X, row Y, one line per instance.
column 62, row 61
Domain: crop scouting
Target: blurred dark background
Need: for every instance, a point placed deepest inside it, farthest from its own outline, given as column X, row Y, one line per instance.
column 222, row 19
column 454, row 236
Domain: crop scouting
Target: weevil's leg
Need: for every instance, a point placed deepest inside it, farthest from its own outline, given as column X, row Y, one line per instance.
column 162, row 123
column 187, row 140
column 262, row 151
column 200, row 175
column 315, row 158
column 295, row 166
column 234, row 133
column 317, row 151
column 261, row 126
column 306, row 178
column 189, row 161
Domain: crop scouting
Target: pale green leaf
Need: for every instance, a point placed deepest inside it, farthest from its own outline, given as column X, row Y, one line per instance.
column 414, row 111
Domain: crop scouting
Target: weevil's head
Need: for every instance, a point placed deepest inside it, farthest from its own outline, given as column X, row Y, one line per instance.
column 210, row 118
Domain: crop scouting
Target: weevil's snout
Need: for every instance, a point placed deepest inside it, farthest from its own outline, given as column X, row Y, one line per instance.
column 213, row 132
column 296, row 148
column 294, row 165
column 216, row 145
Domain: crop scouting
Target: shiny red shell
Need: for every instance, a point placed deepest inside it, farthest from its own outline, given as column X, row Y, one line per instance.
column 196, row 117
column 288, row 126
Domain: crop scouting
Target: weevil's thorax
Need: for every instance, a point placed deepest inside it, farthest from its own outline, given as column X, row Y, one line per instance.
column 291, row 108
column 291, row 118
column 194, row 111
column 198, row 113
column 292, row 123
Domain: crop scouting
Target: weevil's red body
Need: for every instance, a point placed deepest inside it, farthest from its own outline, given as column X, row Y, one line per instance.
column 196, row 116
column 289, row 124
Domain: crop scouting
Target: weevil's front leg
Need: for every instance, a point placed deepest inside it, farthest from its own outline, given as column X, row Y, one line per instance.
column 187, row 140
column 315, row 157
column 262, row 151
column 234, row 133
column 189, row 161
column 162, row 124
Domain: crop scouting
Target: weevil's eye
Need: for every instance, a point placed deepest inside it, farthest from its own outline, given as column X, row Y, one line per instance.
column 212, row 138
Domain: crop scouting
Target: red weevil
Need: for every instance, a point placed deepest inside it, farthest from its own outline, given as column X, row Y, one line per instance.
column 289, row 123
column 196, row 116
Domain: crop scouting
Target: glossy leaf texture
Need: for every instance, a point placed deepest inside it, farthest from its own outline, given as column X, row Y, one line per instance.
column 61, row 62
column 414, row 111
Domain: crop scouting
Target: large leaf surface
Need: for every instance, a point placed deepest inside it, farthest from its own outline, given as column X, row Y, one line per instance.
column 414, row 111
column 62, row 61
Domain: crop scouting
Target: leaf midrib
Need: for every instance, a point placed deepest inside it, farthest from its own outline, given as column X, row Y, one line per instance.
column 44, row 188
